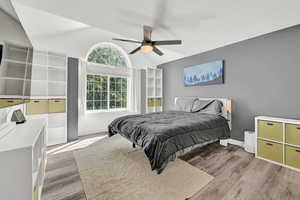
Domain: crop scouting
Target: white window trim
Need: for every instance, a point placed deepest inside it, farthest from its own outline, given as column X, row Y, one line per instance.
column 109, row 110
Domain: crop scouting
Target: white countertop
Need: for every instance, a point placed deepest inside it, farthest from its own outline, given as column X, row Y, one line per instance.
column 23, row 135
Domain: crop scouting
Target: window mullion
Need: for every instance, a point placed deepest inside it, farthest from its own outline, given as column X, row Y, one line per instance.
column 108, row 93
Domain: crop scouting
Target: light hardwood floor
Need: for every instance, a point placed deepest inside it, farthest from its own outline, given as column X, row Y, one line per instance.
column 238, row 175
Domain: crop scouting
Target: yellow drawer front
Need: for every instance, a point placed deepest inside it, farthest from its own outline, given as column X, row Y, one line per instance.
column 35, row 107
column 57, row 106
column 10, row 102
column 292, row 134
column 292, row 156
column 270, row 150
column 158, row 102
column 151, row 102
column 35, row 194
column 154, row 102
column 270, row 130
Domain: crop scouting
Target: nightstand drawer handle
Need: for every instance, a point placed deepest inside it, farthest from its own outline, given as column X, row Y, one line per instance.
column 298, row 151
column 36, row 101
column 269, row 144
column 10, row 101
column 270, row 124
column 298, row 128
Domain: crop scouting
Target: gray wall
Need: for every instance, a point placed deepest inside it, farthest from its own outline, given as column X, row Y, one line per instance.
column 262, row 77
column 72, row 104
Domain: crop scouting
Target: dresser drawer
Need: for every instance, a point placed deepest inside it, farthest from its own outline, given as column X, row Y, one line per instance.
column 292, row 134
column 292, row 156
column 57, row 106
column 270, row 130
column 270, row 150
column 34, row 107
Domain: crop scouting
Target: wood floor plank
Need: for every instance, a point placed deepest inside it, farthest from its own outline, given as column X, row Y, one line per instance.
column 238, row 175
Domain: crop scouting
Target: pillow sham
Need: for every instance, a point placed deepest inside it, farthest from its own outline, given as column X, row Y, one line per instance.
column 209, row 107
column 184, row 104
column 198, row 104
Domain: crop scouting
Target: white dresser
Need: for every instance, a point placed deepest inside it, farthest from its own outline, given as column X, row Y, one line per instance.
column 23, row 161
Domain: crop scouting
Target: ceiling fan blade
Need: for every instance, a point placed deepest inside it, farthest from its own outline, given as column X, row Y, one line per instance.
column 147, row 33
column 124, row 40
column 157, row 51
column 136, row 50
column 167, row 42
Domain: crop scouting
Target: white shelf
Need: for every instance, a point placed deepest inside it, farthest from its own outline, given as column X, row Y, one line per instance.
column 53, row 68
column 15, row 70
column 153, row 87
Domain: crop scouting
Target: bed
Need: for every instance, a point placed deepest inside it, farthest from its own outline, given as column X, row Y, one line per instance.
column 165, row 135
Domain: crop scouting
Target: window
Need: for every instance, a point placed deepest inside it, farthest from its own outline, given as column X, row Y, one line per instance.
column 106, row 92
column 107, row 56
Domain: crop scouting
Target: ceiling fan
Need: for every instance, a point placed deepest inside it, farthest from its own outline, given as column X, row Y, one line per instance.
column 147, row 45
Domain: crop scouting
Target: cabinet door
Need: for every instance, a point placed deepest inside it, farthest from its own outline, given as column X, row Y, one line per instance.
column 292, row 134
column 292, row 156
column 270, row 150
column 37, row 107
column 57, row 106
column 270, row 130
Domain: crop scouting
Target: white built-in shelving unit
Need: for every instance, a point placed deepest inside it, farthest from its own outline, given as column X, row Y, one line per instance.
column 23, row 152
column 15, row 71
column 154, row 90
column 49, row 82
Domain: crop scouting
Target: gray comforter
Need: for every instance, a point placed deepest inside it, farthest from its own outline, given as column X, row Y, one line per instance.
column 163, row 134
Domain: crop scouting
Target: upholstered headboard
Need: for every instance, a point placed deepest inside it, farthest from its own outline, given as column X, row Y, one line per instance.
column 226, row 110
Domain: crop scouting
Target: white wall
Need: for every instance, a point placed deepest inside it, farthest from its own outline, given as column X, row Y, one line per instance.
column 97, row 122
column 12, row 31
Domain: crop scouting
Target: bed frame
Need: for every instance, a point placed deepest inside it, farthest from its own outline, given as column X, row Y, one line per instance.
column 226, row 111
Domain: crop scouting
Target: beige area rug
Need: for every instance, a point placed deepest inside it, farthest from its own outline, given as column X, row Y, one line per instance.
column 112, row 170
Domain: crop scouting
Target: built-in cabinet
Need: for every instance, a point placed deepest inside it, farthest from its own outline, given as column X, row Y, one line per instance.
column 154, row 90
column 48, row 97
column 23, row 152
column 278, row 141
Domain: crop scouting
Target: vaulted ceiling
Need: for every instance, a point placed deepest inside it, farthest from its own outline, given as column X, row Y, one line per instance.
column 202, row 25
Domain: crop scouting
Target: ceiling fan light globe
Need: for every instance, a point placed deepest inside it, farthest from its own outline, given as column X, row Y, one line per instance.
column 147, row 48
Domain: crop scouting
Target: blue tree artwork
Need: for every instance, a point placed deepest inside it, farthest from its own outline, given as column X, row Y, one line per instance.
column 205, row 74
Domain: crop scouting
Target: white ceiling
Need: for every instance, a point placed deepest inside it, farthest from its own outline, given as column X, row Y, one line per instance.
column 201, row 24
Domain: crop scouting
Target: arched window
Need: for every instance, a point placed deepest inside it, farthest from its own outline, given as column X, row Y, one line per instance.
column 108, row 54
column 107, row 92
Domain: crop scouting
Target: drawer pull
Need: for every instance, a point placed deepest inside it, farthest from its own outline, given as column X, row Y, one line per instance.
column 298, row 151
column 10, row 101
column 270, row 124
column 36, row 101
column 270, row 144
column 57, row 101
column 298, row 128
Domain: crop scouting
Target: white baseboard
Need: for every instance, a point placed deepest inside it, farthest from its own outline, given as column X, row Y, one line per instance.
column 232, row 141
